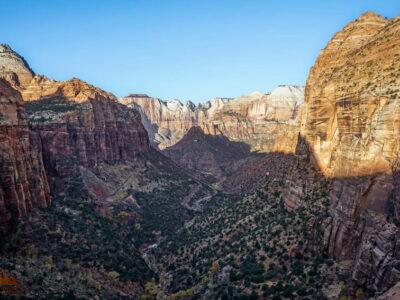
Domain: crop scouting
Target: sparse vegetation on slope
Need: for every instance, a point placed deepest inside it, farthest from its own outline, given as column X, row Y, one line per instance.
column 250, row 248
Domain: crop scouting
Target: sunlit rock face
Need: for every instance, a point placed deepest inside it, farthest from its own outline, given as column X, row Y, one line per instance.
column 351, row 121
column 14, row 68
column 23, row 182
column 166, row 121
column 54, row 128
column 81, row 125
column 352, row 110
column 254, row 119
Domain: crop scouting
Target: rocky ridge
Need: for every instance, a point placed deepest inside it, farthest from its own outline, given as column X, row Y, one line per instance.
column 76, row 123
column 212, row 154
column 254, row 119
column 14, row 68
column 81, row 125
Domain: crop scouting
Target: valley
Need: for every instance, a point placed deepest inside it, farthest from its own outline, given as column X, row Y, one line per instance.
column 290, row 194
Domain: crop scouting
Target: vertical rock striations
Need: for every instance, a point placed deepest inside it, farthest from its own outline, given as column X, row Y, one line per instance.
column 80, row 125
column 351, row 120
column 23, row 182
column 352, row 95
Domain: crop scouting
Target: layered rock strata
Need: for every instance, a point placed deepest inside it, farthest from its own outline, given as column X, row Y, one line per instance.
column 71, row 125
column 351, row 120
column 23, row 182
column 352, row 112
column 254, row 119
column 80, row 125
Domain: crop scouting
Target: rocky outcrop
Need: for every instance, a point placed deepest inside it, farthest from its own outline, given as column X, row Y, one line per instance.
column 254, row 119
column 351, row 120
column 14, row 68
column 207, row 153
column 23, row 182
column 352, row 113
column 81, row 125
column 67, row 125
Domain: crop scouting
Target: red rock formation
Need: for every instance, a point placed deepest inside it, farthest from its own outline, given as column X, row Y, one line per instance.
column 72, row 124
column 80, row 125
column 23, row 182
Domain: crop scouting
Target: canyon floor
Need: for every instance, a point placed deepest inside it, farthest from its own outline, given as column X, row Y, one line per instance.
column 288, row 194
column 152, row 229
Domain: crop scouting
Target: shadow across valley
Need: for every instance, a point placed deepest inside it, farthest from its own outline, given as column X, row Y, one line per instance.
column 362, row 221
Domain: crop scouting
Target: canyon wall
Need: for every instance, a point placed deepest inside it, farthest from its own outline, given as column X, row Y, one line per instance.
column 23, row 182
column 76, row 123
column 80, row 125
column 352, row 112
column 254, row 119
column 54, row 128
column 351, row 122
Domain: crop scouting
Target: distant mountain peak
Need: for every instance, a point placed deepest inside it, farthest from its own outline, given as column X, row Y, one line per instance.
column 288, row 91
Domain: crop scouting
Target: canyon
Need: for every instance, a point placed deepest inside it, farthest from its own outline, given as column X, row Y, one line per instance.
column 349, row 123
column 293, row 193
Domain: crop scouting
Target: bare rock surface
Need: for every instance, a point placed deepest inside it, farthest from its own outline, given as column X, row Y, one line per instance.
column 23, row 181
column 350, row 120
column 254, row 119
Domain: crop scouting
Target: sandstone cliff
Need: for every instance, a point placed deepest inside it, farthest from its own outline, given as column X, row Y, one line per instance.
column 351, row 116
column 71, row 124
column 14, row 68
column 349, row 126
column 351, row 121
column 80, row 125
column 254, row 119
column 23, row 182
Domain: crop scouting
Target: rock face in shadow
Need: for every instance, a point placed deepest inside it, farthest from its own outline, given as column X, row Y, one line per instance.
column 362, row 227
column 254, row 119
column 207, row 153
column 23, row 182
